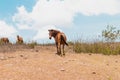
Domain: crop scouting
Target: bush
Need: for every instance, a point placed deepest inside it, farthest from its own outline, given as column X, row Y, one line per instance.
column 110, row 34
column 32, row 44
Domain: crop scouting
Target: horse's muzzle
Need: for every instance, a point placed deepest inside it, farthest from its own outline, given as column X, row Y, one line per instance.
column 49, row 37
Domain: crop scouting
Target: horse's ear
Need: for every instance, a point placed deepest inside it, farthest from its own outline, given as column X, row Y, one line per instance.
column 50, row 30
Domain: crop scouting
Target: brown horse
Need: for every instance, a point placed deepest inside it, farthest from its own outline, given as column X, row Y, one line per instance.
column 19, row 39
column 4, row 40
column 60, row 39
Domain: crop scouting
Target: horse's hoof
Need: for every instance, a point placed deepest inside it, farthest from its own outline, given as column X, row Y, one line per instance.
column 58, row 53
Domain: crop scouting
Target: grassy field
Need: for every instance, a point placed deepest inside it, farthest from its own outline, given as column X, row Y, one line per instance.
column 97, row 47
column 107, row 48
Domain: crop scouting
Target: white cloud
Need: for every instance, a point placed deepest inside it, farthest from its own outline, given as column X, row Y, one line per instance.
column 97, row 7
column 61, row 13
column 6, row 30
column 43, row 32
column 22, row 18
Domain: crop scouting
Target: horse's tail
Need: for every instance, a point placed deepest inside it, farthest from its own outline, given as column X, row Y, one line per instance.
column 62, row 38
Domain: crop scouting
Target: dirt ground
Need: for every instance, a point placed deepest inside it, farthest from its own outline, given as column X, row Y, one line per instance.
column 42, row 63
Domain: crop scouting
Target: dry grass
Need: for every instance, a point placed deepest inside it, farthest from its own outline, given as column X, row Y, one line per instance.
column 106, row 48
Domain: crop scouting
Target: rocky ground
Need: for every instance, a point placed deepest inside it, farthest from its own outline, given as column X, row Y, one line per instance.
column 41, row 63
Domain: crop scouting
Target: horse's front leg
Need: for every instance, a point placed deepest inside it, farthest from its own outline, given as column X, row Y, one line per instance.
column 57, row 48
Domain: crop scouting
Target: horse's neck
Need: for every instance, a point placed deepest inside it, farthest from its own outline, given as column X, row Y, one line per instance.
column 19, row 39
column 55, row 34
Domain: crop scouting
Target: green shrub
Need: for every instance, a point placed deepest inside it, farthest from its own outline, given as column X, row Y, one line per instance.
column 32, row 44
column 110, row 34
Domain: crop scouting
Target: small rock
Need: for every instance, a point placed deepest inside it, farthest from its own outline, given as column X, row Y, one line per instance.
column 90, row 54
column 116, row 61
column 21, row 55
column 62, row 69
column 2, row 58
column 115, row 68
column 93, row 72
column 25, row 58
column 36, row 50
column 65, row 61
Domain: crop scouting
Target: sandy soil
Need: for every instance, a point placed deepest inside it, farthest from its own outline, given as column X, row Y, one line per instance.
column 42, row 63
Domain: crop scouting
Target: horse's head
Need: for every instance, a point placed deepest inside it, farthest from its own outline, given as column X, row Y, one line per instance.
column 17, row 36
column 52, row 33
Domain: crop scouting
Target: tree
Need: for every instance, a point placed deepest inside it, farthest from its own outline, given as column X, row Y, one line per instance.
column 110, row 34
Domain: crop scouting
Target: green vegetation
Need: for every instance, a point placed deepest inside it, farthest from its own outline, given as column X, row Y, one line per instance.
column 110, row 34
column 106, row 46
column 32, row 44
column 97, row 47
column 1, row 42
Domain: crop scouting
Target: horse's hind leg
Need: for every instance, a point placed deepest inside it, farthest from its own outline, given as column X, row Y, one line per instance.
column 63, row 50
column 59, row 49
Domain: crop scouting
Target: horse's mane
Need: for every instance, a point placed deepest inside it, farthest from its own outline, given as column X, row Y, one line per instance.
column 55, row 32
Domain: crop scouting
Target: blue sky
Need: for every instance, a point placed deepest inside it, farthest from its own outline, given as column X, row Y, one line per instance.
column 8, row 7
column 76, row 18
